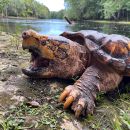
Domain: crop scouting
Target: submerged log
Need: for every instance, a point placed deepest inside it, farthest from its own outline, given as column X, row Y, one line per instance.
column 67, row 19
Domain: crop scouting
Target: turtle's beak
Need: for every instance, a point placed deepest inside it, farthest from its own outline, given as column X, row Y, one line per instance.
column 38, row 43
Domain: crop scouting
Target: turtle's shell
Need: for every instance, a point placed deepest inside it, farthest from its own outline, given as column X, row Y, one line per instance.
column 112, row 50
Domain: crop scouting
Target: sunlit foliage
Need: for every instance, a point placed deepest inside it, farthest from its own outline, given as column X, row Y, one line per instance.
column 98, row 9
column 24, row 8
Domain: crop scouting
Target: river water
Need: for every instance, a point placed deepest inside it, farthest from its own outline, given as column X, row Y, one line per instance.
column 56, row 26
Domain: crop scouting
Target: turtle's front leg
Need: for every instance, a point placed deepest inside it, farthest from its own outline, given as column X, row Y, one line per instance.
column 82, row 94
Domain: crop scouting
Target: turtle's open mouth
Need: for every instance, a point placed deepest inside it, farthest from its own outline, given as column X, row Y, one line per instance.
column 37, row 63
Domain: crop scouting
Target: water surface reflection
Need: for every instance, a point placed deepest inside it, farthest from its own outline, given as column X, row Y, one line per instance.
column 55, row 26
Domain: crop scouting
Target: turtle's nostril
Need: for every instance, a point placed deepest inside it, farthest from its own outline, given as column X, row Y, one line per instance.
column 24, row 35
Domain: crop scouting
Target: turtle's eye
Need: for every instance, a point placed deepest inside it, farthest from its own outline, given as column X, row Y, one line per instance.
column 43, row 43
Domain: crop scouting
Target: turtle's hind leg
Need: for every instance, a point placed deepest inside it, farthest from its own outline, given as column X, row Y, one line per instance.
column 82, row 94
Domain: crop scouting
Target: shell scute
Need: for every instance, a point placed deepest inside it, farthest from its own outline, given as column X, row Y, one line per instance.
column 116, row 49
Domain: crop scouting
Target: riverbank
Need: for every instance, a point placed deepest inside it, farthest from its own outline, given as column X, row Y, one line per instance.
column 73, row 22
column 20, row 18
column 108, row 22
column 16, row 91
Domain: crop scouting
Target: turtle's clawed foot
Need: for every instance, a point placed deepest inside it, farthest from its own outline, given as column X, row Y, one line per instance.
column 81, row 103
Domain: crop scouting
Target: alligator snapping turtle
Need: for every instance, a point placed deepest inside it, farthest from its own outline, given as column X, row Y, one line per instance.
column 99, row 59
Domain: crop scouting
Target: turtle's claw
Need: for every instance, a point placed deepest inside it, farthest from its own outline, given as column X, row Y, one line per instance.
column 81, row 103
column 68, row 102
column 78, row 110
column 65, row 93
column 90, row 106
column 63, row 96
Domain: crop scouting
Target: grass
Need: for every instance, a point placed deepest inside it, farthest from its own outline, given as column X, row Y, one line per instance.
column 110, row 114
column 24, row 117
column 15, row 40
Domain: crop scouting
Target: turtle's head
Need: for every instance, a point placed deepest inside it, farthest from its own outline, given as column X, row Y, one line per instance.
column 53, row 56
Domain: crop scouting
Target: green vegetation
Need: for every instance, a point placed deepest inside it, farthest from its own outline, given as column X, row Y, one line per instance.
column 27, row 8
column 76, row 10
column 58, row 15
column 24, row 117
column 23, row 8
column 114, row 116
column 98, row 9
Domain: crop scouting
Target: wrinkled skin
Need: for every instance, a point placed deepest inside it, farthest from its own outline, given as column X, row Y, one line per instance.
column 54, row 56
column 64, row 58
